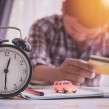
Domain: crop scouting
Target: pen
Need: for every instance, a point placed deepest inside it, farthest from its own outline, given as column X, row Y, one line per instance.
column 21, row 95
column 32, row 91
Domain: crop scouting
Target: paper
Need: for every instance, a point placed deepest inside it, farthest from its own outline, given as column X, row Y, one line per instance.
column 56, row 104
column 82, row 92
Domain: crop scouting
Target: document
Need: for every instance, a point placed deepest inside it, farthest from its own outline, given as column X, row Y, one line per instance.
column 82, row 92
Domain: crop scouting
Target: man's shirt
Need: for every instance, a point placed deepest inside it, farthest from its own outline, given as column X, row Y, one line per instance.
column 51, row 45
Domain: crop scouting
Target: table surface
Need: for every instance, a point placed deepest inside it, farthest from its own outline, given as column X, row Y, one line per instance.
column 83, row 103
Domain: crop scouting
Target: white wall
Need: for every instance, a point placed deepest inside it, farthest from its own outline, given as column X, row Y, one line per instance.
column 25, row 12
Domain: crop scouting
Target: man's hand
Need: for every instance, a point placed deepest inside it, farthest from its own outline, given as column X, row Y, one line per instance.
column 75, row 70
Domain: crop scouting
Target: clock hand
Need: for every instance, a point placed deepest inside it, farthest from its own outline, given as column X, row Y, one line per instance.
column 5, row 81
column 8, row 63
column 6, row 71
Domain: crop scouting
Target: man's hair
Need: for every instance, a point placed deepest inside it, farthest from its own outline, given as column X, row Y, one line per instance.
column 91, row 13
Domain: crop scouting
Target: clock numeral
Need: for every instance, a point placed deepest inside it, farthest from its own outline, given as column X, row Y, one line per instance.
column 6, row 53
column 15, row 86
column 21, row 79
column 5, row 89
column 24, row 71
column 14, row 56
column 21, row 62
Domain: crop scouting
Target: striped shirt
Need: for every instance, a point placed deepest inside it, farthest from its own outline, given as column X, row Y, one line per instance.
column 51, row 45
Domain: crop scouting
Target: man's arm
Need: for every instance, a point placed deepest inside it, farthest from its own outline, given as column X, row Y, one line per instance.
column 45, row 73
column 72, row 69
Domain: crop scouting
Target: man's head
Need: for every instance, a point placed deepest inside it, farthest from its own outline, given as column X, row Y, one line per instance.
column 85, row 18
column 90, row 13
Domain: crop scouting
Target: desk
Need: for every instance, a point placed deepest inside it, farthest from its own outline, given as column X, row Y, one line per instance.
column 85, row 103
column 56, row 104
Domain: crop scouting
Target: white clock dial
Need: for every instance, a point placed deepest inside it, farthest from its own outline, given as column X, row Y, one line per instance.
column 14, row 70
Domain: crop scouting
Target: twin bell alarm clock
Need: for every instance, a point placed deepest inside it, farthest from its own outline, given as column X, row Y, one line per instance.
column 15, row 66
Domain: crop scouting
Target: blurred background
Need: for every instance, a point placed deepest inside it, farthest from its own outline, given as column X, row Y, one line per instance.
column 23, row 13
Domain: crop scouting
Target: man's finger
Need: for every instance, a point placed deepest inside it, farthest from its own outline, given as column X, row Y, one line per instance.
column 81, row 64
column 77, row 70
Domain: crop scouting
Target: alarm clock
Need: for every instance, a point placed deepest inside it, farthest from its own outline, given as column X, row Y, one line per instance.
column 15, row 66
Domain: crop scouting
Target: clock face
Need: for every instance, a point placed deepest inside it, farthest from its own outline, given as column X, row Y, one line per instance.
column 15, row 70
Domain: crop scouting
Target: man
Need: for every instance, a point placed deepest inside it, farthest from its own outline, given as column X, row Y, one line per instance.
column 61, row 45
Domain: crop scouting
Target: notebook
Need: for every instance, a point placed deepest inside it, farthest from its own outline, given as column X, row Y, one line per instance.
column 82, row 92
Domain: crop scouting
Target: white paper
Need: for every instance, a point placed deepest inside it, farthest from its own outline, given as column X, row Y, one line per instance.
column 82, row 92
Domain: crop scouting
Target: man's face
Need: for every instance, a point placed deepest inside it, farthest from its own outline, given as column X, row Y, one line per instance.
column 78, row 31
column 73, row 28
column 79, row 22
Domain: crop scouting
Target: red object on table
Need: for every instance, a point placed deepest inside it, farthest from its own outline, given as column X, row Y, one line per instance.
column 32, row 91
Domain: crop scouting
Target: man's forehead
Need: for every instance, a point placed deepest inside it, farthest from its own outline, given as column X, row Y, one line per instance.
column 82, row 2
column 91, row 13
column 79, row 6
